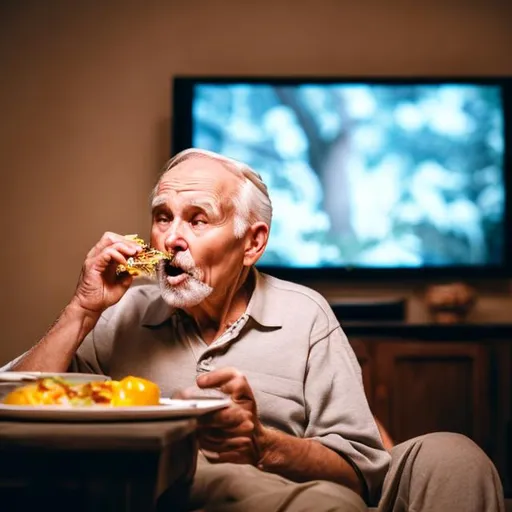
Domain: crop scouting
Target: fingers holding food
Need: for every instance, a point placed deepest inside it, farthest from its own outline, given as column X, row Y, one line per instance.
column 144, row 262
column 109, row 268
column 109, row 238
column 128, row 254
column 111, row 250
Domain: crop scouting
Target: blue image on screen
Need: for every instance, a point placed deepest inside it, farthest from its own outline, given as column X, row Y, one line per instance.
column 368, row 175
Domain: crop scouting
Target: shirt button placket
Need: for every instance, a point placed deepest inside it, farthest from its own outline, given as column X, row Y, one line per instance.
column 205, row 365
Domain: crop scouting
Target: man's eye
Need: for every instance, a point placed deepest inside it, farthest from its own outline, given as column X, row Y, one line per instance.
column 198, row 221
column 161, row 219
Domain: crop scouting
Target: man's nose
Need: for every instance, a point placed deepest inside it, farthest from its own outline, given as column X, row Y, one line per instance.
column 175, row 241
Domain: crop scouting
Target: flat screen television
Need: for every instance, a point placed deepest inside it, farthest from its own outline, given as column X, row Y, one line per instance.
column 369, row 177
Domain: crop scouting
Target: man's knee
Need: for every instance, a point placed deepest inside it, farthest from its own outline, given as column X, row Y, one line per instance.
column 328, row 496
column 444, row 471
column 242, row 487
column 450, row 453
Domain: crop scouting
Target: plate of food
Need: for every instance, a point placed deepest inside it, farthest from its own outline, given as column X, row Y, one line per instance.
column 58, row 398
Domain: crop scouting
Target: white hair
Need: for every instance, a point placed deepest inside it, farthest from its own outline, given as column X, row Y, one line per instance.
column 252, row 202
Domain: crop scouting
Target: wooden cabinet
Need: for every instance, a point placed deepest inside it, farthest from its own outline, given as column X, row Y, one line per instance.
column 423, row 387
column 421, row 379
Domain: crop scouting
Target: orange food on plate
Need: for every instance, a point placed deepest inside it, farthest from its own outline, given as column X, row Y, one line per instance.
column 130, row 391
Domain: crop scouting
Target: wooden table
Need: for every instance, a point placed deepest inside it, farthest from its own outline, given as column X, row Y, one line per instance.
column 115, row 466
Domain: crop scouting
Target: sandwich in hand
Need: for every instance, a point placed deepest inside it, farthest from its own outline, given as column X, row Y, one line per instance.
column 143, row 263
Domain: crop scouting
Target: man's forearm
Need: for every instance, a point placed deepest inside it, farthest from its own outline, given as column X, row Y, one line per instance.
column 301, row 459
column 56, row 349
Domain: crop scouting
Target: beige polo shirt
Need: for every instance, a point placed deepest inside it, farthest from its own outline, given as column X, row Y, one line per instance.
column 303, row 372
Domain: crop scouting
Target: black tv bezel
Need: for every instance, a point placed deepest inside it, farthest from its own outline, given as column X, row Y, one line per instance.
column 181, row 138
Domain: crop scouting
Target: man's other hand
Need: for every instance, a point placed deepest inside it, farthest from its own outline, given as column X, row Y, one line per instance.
column 233, row 434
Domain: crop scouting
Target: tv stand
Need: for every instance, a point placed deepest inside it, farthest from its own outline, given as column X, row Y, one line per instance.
column 370, row 310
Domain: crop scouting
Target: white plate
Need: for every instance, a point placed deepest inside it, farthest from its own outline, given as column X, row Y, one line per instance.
column 168, row 408
column 11, row 376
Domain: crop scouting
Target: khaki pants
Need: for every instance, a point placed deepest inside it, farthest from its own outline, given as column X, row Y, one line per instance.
column 439, row 472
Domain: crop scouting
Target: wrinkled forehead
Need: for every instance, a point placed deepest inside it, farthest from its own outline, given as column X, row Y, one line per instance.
column 198, row 177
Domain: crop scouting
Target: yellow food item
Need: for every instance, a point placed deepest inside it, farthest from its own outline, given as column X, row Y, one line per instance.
column 145, row 262
column 130, row 391
column 135, row 391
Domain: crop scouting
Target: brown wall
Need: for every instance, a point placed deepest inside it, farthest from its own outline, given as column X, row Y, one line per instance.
column 85, row 111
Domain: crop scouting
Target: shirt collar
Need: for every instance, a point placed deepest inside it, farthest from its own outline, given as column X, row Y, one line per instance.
column 261, row 307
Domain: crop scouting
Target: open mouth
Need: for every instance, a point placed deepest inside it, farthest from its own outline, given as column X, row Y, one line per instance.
column 173, row 271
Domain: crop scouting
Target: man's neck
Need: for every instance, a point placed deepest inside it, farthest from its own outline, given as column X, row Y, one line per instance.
column 214, row 318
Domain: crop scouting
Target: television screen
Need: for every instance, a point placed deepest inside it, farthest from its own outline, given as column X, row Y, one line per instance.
column 373, row 174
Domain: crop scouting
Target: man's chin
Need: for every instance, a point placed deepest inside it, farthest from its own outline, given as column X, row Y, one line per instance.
column 179, row 302
column 184, row 296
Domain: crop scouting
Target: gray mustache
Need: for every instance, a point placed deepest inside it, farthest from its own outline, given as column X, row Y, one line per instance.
column 184, row 261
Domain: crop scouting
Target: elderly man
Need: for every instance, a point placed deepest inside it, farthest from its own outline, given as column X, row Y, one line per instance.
column 299, row 434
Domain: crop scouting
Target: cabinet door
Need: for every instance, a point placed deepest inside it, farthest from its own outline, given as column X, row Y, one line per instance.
column 434, row 386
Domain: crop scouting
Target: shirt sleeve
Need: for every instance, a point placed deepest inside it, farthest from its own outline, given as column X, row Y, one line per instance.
column 7, row 367
column 85, row 362
column 88, row 357
column 338, row 413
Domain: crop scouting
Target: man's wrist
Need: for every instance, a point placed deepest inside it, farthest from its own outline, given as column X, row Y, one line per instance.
column 269, row 455
column 76, row 310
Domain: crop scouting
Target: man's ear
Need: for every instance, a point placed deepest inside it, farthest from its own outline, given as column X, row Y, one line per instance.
column 255, row 243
